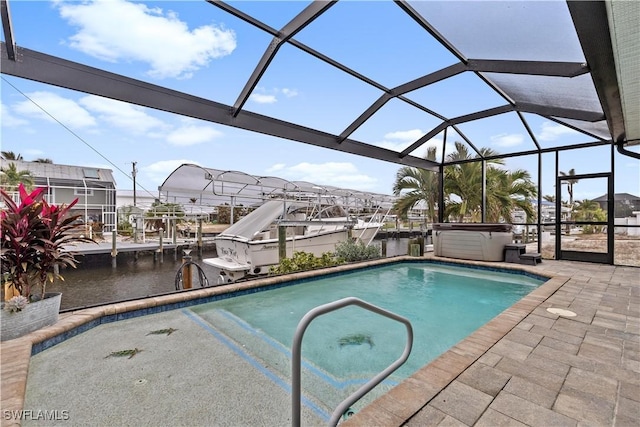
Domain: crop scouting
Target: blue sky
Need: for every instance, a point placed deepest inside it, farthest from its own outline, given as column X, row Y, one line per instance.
column 195, row 48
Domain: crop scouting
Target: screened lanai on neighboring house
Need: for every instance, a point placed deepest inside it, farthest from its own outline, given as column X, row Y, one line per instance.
column 94, row 188
column 565, row 67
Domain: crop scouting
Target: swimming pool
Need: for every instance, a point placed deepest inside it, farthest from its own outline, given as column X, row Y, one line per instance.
column 344, row 349
column 225, row 368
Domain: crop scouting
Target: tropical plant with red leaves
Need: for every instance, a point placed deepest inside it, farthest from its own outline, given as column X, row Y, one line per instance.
column 34, row 237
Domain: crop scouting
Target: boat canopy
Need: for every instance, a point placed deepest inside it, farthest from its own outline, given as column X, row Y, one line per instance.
column 195, row 186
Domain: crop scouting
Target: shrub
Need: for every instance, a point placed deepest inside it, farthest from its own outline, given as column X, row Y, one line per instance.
column 352, row 251
column 34, row 237
column 125, row 228
column 302, row 261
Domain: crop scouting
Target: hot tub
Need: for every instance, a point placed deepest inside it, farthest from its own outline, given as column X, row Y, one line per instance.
column 481, row 242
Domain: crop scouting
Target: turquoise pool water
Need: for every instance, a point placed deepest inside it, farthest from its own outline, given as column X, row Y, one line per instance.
column 444, row 304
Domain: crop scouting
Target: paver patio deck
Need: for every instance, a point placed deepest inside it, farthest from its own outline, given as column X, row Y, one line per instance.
column 525, row 367
column 546, row 370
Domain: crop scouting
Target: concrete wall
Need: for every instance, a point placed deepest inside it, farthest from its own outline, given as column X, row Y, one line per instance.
column 632, row 220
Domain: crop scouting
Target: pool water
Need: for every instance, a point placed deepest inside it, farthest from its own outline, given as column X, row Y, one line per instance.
column 343, row 349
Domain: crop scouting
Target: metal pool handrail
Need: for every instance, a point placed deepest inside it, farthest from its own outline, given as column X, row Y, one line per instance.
column 296, row 350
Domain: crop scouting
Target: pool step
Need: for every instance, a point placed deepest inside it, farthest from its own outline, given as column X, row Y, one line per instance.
column 319, row 387
column 532, row 258
column 517, row 253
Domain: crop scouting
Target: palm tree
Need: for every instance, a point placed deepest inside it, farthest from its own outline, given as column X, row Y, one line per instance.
column 416, row 185
column 589, row 210
column 570, row 183
column 43, row 160
column 506, row 190
column 464, row 182
column 10, row 155
column 10, row 177
column 549, row 197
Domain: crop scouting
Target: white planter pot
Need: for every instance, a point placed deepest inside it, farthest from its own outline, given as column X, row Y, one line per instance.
column 34, row 316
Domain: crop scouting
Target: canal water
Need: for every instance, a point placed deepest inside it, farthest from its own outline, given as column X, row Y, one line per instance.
column 96, row 282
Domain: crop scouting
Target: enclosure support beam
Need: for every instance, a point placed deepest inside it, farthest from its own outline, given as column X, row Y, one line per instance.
column 40, row 67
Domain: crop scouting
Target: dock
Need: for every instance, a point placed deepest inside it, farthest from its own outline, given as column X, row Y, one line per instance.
column 107, row 247
column 160, row 246
column 157, row 247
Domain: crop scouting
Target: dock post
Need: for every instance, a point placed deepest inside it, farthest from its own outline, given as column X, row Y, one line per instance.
column 383, row 243
column 174, row 228
column 414, row 248
column 186, row 270
column 161, row 246
column 282, row 242
column 114, row 250
column 200, row 238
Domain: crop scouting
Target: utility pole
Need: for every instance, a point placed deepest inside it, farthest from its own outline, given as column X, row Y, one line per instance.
column 133, row 174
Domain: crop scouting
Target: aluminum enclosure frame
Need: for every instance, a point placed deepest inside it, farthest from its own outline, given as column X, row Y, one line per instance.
column 590, row 20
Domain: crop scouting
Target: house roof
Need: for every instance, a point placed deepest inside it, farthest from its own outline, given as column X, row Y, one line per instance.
column 617, row 197
column 53, row 171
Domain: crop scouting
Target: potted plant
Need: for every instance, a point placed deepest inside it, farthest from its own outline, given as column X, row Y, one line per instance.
column 34, row 235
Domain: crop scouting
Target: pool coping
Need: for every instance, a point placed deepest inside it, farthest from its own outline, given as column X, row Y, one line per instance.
column 395, row 406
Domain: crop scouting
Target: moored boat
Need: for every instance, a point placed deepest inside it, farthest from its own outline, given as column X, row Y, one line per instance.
column 252, row 245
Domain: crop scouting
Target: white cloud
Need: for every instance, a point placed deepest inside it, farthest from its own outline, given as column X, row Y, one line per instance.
column 126, row 116
column 289, row 93
column 8, row 119
column 406, row 136
column 270, row 96
column 277, row 167
column 261, row 98
column 399, row 140
column 338, row 174
column 192, row 133
column 159, row 171
column 117, row 30
column 64, row 110
column 552, row 131
column 392, row 145
column 507, row 139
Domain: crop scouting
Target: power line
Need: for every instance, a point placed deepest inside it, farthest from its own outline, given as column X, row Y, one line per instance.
column 76, row 135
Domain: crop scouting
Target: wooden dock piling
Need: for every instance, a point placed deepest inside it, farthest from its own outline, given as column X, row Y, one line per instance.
column 114, row 250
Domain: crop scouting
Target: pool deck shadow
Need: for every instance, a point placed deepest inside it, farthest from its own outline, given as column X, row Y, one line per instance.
column 527, row 366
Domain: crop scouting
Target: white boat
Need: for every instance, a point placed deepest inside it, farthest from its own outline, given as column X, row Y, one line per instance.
column 251, row 246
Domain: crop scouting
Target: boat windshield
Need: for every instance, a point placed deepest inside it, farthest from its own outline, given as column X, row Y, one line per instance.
column 334, row 211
